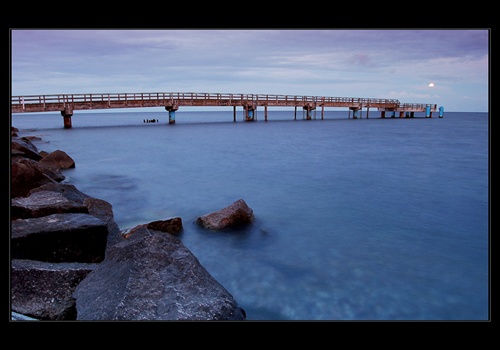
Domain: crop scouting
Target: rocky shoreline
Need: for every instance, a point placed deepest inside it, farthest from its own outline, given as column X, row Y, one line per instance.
column 71, row 261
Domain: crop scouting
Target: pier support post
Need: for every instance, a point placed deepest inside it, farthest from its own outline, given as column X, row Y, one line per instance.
column 308, row 108
column 393, row 114
column 401, row 114
column 322, row 112
column 428, row 113
column 265, row 113
column 67, row 113
column 382, row 114
column 249, row 113
column 441, row 112
column 234, row 113
column 171, row 113
column 295, row 114
column 354, row 112
column 367, row 112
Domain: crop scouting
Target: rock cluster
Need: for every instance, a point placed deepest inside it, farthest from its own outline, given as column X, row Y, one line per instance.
column 70, row 261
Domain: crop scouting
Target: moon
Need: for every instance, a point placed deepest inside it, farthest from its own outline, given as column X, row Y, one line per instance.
column 431, row 84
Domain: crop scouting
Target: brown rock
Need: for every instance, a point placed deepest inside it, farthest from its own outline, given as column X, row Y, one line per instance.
column 58, row 160
column 24, row 148
column 26, row 175
column 172, row 226
column 236, row 214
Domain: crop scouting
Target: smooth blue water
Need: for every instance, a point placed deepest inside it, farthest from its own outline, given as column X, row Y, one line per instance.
column 366, row 219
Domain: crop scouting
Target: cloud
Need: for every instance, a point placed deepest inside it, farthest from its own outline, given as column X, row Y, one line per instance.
column 357, row 63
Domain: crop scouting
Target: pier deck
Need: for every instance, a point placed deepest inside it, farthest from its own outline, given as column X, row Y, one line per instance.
column 67, row 103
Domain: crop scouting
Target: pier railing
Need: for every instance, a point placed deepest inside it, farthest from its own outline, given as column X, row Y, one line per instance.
column 117, row 100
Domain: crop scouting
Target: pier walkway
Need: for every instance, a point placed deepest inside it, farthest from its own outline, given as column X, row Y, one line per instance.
column 68, row 103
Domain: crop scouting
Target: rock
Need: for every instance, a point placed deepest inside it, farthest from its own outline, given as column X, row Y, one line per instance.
column 42, row 290
column 72, row 237
column 58, row 160
column 67, row 190
column 104, row 211
column 126, row 233
column 70, row 200
column 172, row 226
column 26, row 175
column 43, row 203
column 236, row 214
column 25, row 148
column 60, row 236
column 153, row 276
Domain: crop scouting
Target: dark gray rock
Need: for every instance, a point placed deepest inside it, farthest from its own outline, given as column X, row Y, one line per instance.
column 104, row 211
column 72, row 237
column 42, row 290
column 70, row 200
column 153, row 276
column 67, row 190
column 43, row 203
column 236, row 214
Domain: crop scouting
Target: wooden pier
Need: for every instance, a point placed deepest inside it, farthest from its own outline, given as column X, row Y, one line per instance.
column 68, row 103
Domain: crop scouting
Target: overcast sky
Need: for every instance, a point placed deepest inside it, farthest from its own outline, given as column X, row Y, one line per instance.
column 445, row 67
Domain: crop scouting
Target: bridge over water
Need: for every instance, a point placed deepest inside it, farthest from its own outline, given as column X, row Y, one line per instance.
column 68, row 103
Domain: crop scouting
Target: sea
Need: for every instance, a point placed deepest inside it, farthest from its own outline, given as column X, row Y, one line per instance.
column 356, row 219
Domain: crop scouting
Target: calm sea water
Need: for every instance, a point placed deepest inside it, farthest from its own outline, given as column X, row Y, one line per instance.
column 356, row 219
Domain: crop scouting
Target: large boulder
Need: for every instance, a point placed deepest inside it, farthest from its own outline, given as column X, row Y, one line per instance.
column 54, row 198
column 69, row 191
column 23, row 147
column 43, row 290
column 27, row 174
column 43, row 203
column 72, row 237
column 236, row 214
column 58, row 160
column 153, row 276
